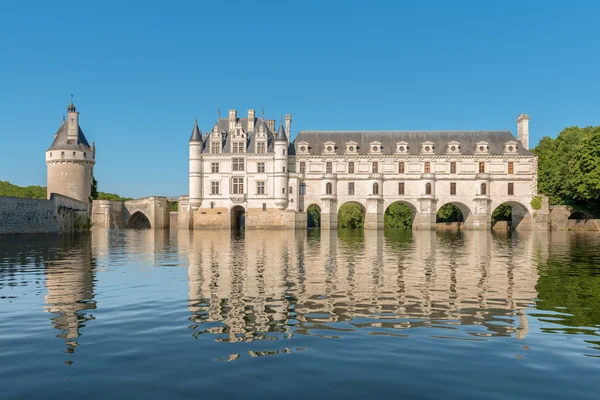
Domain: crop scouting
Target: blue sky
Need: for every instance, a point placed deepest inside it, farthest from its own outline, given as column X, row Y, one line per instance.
column 140, row 72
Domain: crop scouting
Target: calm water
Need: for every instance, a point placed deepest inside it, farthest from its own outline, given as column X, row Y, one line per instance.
column 143, row 314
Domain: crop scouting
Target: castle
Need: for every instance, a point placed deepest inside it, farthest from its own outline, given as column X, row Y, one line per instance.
column 244, row 172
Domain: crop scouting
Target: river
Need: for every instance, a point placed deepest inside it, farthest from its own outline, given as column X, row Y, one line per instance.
column 291, row 314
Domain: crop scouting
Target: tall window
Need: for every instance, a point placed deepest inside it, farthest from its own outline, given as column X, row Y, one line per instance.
column 511, row 167
column 215, row 148
column 483, row 188
column 303, row 188
column 238, row 164
column 264, row 206
column 401, row 167
column 453, row 188
column 481, row 167
column 260, row 188
column 401, row 188
column 427, row 167
column 328, row 188
column 351, row 167
column 214, row 167
column 238, row 185
column 511, row 189
column 291, row 190
column 261, row 147
column 302, row 167
column 351, row 188
column 214, row 188
column 428, row 188
column 238, row 147
column 375, row 167
column 376, row 188
column 328, row 167
column 452, row 167
column 260, row 167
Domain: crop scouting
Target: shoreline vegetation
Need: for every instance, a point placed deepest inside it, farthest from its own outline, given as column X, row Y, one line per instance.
column 568, row 173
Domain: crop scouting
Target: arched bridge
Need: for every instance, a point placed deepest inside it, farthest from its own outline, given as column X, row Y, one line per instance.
column 145, row 213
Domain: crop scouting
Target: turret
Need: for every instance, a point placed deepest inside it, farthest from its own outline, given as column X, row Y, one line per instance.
column 280, row 145
column 196, row 167
column 523, row 130
column 70, row 160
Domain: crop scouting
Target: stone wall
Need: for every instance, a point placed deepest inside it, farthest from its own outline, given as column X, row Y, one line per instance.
column 559, row 219
column 212, row 218
column 59, row 214
column 118, row 214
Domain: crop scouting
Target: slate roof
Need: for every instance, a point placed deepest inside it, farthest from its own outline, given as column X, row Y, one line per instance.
column 222, row 126
column 196, row 134
column 388, row 139
column 281, row 133
column 62, row 141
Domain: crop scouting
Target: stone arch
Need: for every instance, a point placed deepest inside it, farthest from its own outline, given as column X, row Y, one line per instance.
column 363, row 210
column 578, row 215
column 411, row 207
column 465, row 210
column 138, row 220
column 313, row 216
column 520, row 217
column 238, row 217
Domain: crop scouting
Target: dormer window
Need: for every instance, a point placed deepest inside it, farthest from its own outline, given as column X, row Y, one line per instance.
column 239, row 147
column 215, row 147
column 302, row 148
column 375, row 148
column 261, row 147
column 402, row 148
column 329, row 148
column 453, row 148
column 427, row 147
column 510, row 147
column 351, row 147
column 482, row 147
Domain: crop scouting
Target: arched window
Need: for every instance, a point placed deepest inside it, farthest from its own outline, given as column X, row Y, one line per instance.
column 428, row 188
column 376, row 188
column 328, row 188
column 483, row 188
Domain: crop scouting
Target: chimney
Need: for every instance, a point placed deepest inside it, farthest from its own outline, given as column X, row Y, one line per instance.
column 288, row 124
column 271, row 125
column 523, row 129
column 250, row 120
column 232, row 120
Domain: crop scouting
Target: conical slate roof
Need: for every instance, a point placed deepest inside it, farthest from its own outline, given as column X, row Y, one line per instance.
column 196, row 134
column 281, row 133
column 63, row 142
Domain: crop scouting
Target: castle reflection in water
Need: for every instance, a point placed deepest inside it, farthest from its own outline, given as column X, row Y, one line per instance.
column 276, row 284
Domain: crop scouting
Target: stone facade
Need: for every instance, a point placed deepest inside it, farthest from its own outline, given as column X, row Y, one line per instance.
column 59, row 214
column 244, row 173
column 148, row 212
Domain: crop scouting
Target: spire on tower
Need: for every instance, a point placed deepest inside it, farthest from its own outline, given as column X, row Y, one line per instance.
column 263, row 111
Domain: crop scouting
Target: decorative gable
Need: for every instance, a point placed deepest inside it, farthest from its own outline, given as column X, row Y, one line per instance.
column 329, row 147
column 401, row 147
column 427, row 147
column 482, row 148
column 453, row 147
column 510, row 147
column 375, row 148
column 351, row 147
column 302, row 148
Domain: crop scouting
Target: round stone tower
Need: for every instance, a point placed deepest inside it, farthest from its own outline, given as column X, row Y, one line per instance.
column 280, row 146
column 71, row 160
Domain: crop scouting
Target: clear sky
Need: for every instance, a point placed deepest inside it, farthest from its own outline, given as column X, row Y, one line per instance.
column 140, row 72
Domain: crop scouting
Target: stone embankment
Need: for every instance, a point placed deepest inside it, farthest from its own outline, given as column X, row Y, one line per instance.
column 59, row 214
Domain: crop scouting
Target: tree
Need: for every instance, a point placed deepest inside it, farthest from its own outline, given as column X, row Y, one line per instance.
column 29, row 192
column 449, row 213
column 313, row 215
column 351, row 216
column 584, row 170
column 502, row 213
column 398, row 215
column 94, row 188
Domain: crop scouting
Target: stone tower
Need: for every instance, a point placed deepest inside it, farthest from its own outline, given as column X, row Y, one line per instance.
column 280, row 146
column 523, row 130
column 71, row 160
column 196, row 168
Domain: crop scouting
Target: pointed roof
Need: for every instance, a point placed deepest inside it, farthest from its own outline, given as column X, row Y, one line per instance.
column 63, row 142
column 196, row 133
column 281, row 133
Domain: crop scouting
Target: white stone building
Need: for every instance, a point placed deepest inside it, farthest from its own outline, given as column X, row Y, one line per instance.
column 243, row 173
